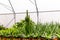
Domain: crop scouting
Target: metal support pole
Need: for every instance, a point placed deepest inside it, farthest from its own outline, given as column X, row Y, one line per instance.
column 37, row 11
column 13, row 11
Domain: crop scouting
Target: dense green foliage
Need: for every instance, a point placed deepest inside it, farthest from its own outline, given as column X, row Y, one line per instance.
column 24, row 28
column 27, row 28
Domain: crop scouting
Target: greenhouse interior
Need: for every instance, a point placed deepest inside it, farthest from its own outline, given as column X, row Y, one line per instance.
column 29, row 19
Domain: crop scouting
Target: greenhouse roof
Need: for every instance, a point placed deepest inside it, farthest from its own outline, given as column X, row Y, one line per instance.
column 49, row 10
column 23, row 5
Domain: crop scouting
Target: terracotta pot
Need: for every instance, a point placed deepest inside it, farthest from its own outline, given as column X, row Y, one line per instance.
column 4, row 38
column 27, row 38
column 30, row 38
column 39, row 39
column 0, row 38
column 55, row 39
column 20, row 38
column 23, row 39
column 8, row 38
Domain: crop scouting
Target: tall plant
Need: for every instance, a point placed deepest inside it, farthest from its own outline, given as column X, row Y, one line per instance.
column 29, row 27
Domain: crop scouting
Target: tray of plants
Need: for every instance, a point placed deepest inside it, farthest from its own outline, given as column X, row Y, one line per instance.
column 27, row 30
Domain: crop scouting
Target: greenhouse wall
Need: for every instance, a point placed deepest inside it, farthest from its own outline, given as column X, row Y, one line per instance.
column 23, row 5
column 43, row 18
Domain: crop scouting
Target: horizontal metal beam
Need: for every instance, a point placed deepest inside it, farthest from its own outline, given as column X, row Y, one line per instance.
column 30, row 12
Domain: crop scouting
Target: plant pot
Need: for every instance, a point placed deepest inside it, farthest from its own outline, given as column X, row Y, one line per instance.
column 55, row 38
column 4, row 38
column 0, row 37
column 30, row 38
column 42, row 38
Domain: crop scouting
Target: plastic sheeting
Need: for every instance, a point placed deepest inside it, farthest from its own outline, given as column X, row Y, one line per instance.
column 23, row 5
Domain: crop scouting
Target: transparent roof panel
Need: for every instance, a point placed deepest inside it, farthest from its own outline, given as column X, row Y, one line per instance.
column 4, row 6
column 48, row 5
column 18, row 5
column 23, row 5
column 49, row 17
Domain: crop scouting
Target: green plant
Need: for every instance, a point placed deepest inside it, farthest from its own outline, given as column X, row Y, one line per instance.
column 57, row 33
column 46, row 30
column 1, row 27
column 27, row 28
column 29, row 24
